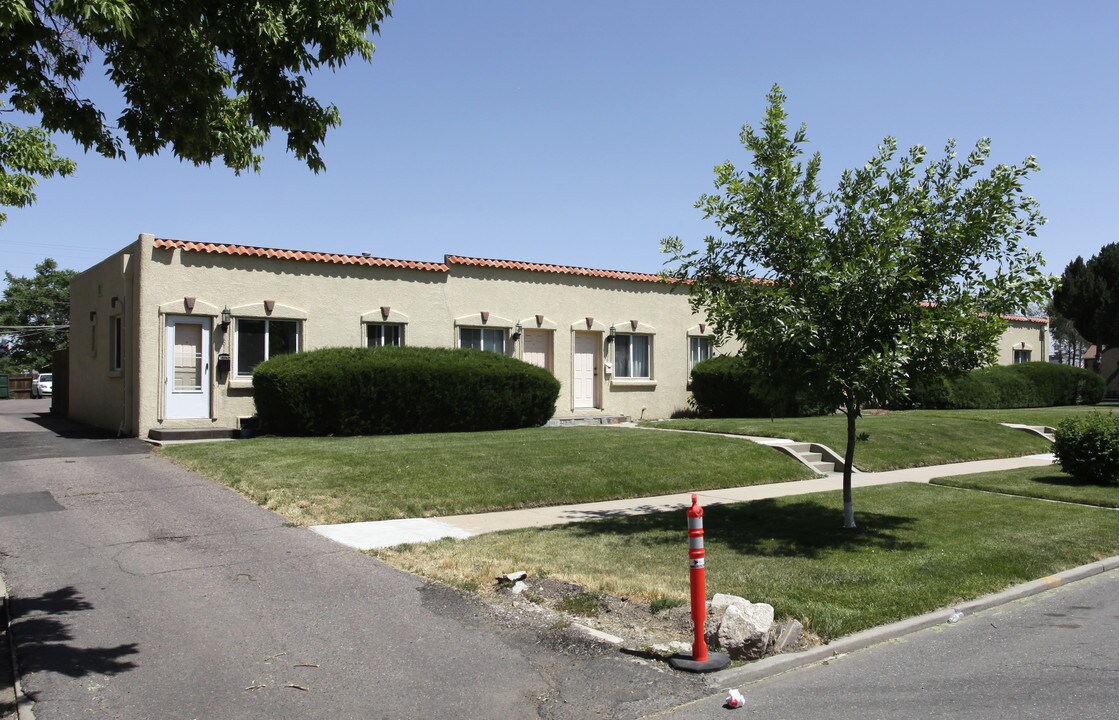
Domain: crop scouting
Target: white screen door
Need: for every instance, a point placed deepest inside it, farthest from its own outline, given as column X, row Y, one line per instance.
column 538, row 348
column 187, row 367
column 586, row 369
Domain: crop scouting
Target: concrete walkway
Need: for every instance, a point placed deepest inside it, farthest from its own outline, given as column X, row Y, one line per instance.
column 386, row 533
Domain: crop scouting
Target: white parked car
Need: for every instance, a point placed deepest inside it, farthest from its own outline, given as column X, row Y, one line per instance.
column 42, row 386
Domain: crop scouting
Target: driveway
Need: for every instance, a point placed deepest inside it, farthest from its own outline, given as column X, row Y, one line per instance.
column 141, row 590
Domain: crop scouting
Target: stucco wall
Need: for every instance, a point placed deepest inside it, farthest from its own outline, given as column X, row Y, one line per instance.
column 567, row 301
column 1022, row 335
column 100, row 396
column 330, row 300
column 333, row 300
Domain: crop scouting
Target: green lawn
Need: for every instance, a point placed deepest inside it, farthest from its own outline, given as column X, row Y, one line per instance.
column 314, row 481
column 1026, row 416
column 896, row 440
column 918, row 548
column 1048, row 483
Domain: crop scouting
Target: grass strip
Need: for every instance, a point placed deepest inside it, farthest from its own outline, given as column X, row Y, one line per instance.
column 312, row 481
column 1026, row 416
column 1046, row 483
column 894, row 440
column 918, row 548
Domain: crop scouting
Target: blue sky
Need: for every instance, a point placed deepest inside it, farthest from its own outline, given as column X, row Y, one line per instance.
column 582, row 132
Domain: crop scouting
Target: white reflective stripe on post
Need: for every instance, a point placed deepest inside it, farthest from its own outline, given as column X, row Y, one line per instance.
column 695, row 543
column 695, row 523
column 697, row 563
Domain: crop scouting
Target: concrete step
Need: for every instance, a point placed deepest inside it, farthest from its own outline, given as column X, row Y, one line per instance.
column 587, row 420
column 173, row 434
column 800, row 447
column 811, row 458
column 825, row 467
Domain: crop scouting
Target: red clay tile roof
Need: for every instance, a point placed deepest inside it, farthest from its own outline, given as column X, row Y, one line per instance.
column 296, row 255
column 1026, row 318
column 557, row 269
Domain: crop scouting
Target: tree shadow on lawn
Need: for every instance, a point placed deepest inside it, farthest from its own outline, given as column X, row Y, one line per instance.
column 766, row 528
column 1062, row 480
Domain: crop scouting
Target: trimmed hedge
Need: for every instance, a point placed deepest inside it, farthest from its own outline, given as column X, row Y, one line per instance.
column 398, row 390
column 1087, row 447
column 1035, row 384
column 727, row 386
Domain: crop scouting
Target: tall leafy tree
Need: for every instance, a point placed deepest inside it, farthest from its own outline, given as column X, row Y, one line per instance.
column 35, row 317
column 1088, row 295
column 902, row 270
column 210, row 79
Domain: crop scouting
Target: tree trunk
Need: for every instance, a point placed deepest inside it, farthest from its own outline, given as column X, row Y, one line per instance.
column 848, row 466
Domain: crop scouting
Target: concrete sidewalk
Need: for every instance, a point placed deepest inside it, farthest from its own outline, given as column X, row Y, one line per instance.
column 386, row 533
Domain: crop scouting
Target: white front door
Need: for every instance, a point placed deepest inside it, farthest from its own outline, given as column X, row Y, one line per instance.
column 537, row 349
column 186, row 374
column 586, row 369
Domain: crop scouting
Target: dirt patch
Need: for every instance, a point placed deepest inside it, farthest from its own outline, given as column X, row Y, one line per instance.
column 659, row 628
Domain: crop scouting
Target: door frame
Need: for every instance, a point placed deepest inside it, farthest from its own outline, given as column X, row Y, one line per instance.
column 595, row 338
column 203, row 404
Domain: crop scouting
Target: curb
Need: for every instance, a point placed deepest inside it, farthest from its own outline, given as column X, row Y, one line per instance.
column 23, row 705
column 776, row 664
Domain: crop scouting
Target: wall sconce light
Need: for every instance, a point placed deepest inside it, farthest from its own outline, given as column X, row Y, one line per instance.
column 517, row 331
column 612, row 333
column 226, row 316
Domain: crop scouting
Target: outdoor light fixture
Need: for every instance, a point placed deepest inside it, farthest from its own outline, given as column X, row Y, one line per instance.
column 613, row 332
column 517, row 331
column 226, row 316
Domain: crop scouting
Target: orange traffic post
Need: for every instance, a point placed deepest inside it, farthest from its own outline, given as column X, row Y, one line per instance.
column 700, row 660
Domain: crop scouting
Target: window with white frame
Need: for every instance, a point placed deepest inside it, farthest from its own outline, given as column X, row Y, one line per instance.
column 384, row 334
column 258, row 340
column 116, row 343
column 1021, row 356
column 487, row 339
column 632, row 355
column 699, row 349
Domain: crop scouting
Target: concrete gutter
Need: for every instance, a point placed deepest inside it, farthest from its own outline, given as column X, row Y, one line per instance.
column 777, row 664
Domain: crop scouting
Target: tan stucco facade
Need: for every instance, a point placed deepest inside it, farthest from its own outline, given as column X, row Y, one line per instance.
column 571, row 320
column 333, row 303
column 1025, row 340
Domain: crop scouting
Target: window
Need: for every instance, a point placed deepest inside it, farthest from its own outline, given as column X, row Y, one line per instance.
column 488, row 339
column 1021, row 356
column 699, row 349
column 631, row 356
column 380, row 335
column 116, row 343
column 258, row 340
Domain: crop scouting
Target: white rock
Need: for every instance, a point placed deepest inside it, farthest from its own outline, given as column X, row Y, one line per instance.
column 744, row 633
column 518, row 587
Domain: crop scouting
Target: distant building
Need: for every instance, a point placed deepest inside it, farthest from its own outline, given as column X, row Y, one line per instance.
column 1109, row 366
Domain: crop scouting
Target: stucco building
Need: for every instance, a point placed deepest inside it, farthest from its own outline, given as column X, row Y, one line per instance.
column 165, row 333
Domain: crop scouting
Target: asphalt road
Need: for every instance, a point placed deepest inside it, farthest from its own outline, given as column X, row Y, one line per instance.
column 1053, row 655
column 144, row 591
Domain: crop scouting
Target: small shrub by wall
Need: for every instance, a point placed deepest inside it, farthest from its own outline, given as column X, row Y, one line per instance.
column 1087, row 447
column 1036, row 384
column 726, row 386
column 398, row 390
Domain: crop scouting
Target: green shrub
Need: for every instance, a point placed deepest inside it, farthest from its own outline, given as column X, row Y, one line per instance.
column 726, row 386
column 1036, row 384
column 1087, row 447
column 398, row 390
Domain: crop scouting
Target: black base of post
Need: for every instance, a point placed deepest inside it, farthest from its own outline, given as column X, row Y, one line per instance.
column 715, row 661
